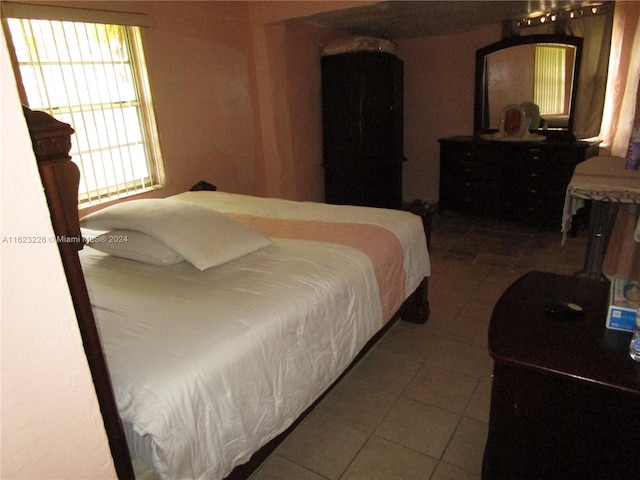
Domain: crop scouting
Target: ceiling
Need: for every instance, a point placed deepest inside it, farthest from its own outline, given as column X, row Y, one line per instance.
column 411, row 19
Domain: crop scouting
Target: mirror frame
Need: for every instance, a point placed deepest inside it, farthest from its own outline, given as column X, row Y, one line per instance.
column 481, row 112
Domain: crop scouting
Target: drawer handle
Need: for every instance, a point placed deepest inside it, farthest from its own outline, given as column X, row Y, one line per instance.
column 533, row 175
column 533, row 190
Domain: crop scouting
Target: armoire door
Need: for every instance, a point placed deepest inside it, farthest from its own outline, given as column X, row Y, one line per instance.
column 362, row 128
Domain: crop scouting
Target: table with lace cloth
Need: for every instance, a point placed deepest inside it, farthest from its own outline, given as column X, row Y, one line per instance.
column 604, row 181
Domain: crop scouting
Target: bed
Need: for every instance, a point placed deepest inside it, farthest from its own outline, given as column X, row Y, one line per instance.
column 223, row 317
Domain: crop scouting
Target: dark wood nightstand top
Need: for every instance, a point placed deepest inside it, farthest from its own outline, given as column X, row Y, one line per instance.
column 581, row 348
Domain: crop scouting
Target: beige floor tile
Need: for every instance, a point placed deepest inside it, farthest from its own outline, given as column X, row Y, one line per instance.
column 466, row 448
column 439, row 268
column 443, row 241
column 279, row 468
column 459, row 357
column 541, row 261
column 357, row 404
column 441, row 388
column 459, row 328
column 439, row 324
column 385, row 370
column 445, row 471
column 495, row 260
column 471, row 331
column 323, row 445
column 573, row 253
column 381, row 459
column 478, row 309
column 457, row 283
column 448, row 302
column 424, row 428
column 493, row 286
column 462, row 255
column 404, row 343
column 471, row 271
column 485, row 294
column 561, row 269
column 480, row 403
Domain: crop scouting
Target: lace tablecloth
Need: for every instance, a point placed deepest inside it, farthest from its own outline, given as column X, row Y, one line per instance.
column 602, row 179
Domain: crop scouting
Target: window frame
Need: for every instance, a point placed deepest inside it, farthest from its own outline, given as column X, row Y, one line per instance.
column 143, row 104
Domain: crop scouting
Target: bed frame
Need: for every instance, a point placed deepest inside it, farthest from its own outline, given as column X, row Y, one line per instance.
column 51, row 140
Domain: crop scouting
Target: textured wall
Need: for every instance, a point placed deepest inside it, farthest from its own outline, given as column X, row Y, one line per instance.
column 51, row 422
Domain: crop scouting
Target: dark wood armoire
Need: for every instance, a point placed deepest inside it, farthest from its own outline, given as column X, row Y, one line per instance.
column 362, row 95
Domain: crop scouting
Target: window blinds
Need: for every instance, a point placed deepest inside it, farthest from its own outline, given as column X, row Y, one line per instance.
column 91, row 74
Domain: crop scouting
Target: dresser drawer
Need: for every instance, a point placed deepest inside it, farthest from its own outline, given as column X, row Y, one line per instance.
column 523, row 182
column 470, row 179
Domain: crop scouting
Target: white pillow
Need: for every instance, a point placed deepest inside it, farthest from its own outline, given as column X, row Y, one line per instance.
column 134, row 245
column 203, row 236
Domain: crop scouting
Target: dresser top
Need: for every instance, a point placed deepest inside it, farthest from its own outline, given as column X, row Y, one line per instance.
column 548, row 141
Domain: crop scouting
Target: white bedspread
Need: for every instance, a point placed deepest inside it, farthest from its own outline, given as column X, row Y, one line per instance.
column 406, row 226
column 213, row 364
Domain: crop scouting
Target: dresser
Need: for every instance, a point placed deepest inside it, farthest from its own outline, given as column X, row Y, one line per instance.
column 362, row 118
column 523, row 182
column 565, row 395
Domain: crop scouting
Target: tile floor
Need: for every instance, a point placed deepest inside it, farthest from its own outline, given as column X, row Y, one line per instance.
column 416, row 406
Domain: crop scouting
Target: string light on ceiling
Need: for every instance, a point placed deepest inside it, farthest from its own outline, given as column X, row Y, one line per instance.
column 557, row 15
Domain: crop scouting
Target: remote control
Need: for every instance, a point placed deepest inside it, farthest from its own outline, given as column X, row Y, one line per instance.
column 563, row 309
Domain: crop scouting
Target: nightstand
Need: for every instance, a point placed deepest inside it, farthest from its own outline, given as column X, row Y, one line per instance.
column 565, row 399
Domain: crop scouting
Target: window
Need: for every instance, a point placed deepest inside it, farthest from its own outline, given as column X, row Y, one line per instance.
column 549, row 90
column 92, row 76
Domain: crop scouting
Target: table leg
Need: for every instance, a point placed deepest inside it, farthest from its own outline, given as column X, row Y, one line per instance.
column 601, row 220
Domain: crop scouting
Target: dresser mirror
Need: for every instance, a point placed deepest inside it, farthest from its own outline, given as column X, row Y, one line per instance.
column 539, row 71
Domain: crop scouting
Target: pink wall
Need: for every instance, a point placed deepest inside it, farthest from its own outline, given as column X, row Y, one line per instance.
column 439, row 95
column 236, row 94
column 287, row 70
column 236, row 89
column 290, row 105
column 200, row 65
column 288, row 76
column 201, row 69
column 51, row 422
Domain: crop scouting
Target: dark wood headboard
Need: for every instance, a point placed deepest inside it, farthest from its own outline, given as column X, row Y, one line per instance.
column 51, row 141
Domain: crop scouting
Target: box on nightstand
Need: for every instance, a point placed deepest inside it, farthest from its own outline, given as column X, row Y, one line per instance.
column 624, row 302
